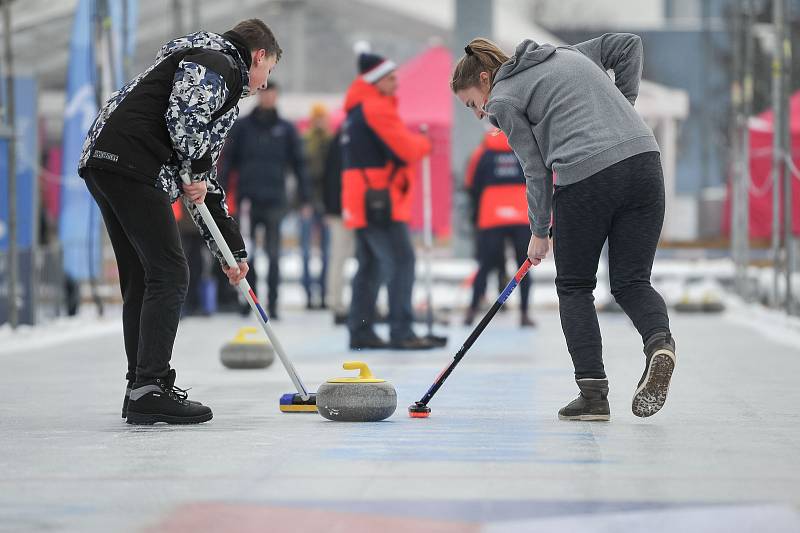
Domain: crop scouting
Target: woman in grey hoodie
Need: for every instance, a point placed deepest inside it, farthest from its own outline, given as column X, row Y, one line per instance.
column 563, row 114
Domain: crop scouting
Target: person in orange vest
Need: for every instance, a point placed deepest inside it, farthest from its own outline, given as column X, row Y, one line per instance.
column 497, row 187
column 377, row 182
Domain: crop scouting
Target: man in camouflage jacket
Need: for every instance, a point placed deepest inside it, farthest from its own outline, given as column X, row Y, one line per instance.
column 168, row 122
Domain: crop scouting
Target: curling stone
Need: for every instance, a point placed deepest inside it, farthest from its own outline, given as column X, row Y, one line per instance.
column 244, row 352
column 356, row 399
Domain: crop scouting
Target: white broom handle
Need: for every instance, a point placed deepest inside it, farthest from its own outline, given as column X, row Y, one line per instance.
column 249, row 295
column 427, row 217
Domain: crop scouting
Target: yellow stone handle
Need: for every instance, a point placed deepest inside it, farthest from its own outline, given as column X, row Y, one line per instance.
column 359, row 365
column 241, row 335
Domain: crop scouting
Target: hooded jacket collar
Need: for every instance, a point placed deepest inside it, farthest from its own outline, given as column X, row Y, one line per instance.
column 527, row 55
column 212, row 41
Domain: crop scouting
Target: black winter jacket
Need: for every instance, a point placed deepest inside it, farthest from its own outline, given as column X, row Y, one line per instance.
column 172, row 120
column 263, row 148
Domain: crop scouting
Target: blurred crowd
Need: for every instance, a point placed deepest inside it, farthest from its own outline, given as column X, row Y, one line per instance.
column 348, row 188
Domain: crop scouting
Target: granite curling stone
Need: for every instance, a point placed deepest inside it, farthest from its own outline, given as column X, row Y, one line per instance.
column 244, row 352
column 356, row 399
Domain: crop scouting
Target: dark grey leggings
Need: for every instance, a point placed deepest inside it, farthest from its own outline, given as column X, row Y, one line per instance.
column 623, row 203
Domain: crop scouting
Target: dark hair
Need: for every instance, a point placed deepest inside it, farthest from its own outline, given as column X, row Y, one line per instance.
column 482, row 55
column 257, row 35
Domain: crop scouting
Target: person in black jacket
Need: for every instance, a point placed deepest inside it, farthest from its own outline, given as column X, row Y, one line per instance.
column 262, row 148
column 169, row 122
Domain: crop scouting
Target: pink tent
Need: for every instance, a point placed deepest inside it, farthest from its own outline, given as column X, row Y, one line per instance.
column 425, row 98
column 761, row 174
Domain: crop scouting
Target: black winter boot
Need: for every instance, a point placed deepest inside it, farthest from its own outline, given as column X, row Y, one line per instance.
column 592, row 404
column 170, row 379
column 159, row 400
column 651, row 393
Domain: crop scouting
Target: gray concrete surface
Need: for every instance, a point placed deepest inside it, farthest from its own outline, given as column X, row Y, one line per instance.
column 721, row 456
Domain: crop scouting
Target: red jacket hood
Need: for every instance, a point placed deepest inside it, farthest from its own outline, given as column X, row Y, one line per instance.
column 360, row 91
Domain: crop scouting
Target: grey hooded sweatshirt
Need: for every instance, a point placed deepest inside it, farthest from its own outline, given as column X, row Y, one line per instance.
column 562, row 112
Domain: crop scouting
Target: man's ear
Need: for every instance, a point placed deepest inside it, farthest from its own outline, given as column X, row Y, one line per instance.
column 259, row 55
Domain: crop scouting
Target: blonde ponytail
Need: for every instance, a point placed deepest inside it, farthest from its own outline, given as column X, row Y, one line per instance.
column 482, row 55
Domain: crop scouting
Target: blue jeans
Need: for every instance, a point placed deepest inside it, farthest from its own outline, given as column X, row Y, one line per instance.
column 307, row 226
column 385, row 256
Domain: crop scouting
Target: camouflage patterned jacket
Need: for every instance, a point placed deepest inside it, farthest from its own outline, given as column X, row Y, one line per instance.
column 172, row 119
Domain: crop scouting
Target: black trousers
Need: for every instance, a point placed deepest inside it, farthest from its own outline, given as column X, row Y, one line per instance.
column 491, row 248
column 623, row 203
column 153, row 274
column 195, row 250
column 270, row 218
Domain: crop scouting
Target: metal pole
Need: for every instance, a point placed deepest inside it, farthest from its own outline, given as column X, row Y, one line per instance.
column 195, row 15
column 777, row 143
column 736, row 99
column 177, row 18
column 473, row 18
column 13, row 312
column 705, row 65
column 427, row 217
column 126, row 59
column 788, row 241
column 747, row 110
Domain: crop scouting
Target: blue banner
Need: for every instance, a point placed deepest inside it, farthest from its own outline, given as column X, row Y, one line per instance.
column 79, row 227
column 26, row 166
column 27, row 196
column 124, row 21
column 132, row 21
column 115, row 10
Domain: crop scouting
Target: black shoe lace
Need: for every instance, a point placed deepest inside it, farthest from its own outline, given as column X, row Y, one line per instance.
column 179, row 393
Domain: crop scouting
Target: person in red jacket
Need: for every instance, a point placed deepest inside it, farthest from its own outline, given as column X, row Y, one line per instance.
column 377, row 182
column 497, row 186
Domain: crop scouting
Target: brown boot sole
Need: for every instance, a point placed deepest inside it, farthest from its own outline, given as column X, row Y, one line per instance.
column 586, row 418
column 652, row 393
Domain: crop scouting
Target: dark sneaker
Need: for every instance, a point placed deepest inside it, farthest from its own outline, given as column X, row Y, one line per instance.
column 651, row 393
column 367, row 342
column 591, row 404
column 159, row 400
column 526, row 321
column 414, row 343
column 170, row 379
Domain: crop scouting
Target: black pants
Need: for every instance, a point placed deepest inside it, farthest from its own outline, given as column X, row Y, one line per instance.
column 491, row 247
column 270, row 218
column 194, row 248
column 623, row 203
column 153, row 274
column 385, row 256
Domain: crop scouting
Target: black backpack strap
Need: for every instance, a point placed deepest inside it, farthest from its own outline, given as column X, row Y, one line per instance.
column 395, row 168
